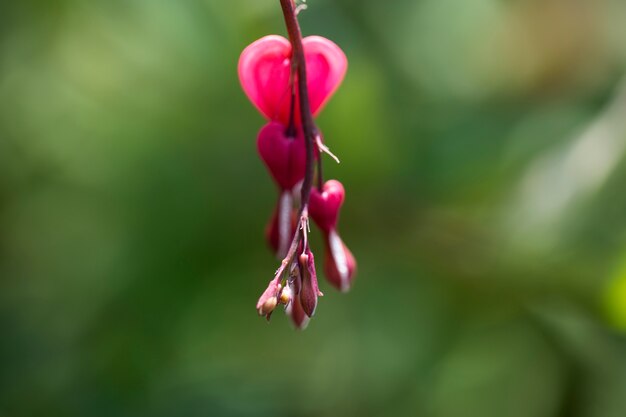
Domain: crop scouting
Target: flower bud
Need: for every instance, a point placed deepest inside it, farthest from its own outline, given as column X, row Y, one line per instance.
column 269, row 299
column 324, row 206
column 268, row 306
column 309, row 291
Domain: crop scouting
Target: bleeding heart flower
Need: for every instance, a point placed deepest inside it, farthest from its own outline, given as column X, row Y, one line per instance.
column 284, row 156
column 324, row 206
column 265, row 71
column 272, row 75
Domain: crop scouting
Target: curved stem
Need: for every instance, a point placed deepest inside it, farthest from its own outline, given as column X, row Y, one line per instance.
column 310, row 132
column 300, row 234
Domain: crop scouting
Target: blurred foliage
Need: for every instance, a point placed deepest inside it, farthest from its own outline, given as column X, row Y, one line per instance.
column 482, row 146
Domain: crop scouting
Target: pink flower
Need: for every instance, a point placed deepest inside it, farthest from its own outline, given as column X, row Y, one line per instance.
column 265, row 71
column 324, row 207
column 271, row 83
column 284, row 156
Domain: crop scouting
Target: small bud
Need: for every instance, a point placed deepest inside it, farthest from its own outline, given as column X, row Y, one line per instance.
column 309, row 291
column 324, row 206
column 268, row 306
column 269, row 299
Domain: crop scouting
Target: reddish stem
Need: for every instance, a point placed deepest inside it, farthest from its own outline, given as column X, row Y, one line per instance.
column 310, row 131
column 308, row 125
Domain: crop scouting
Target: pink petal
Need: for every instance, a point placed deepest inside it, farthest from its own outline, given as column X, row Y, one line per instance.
column 269, row 299
column 264, row 72
column 326, row 67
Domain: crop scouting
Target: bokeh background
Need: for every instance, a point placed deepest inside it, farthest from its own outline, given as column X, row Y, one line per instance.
column 483, row 147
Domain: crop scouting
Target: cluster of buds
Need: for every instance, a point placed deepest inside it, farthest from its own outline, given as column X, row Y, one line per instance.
column 289, row 82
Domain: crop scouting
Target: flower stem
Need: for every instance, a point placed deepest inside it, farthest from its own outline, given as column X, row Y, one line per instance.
column 301, row 231
column 308, row 124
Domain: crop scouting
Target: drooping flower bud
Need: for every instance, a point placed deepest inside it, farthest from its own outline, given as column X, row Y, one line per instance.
column 269, row 299
column 265, row 72
column 324, row 206
column 309, row 291
column 284, row 156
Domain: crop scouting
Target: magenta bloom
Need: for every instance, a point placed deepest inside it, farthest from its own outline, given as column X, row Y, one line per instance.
column 265, row 67
column 271, row 83
column 284, row 156
column 264, row 72
column 339, row 264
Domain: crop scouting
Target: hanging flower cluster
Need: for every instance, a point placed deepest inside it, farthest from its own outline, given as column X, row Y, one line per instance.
column 289, row 82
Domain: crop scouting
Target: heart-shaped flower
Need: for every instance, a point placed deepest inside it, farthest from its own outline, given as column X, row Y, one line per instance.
column 324, row 206
column 265, row 71
column 284, row 156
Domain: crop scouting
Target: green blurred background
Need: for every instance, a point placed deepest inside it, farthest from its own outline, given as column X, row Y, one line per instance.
column 483, row 147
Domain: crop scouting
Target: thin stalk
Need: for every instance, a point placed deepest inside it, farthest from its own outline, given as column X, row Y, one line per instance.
column 308, row 125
